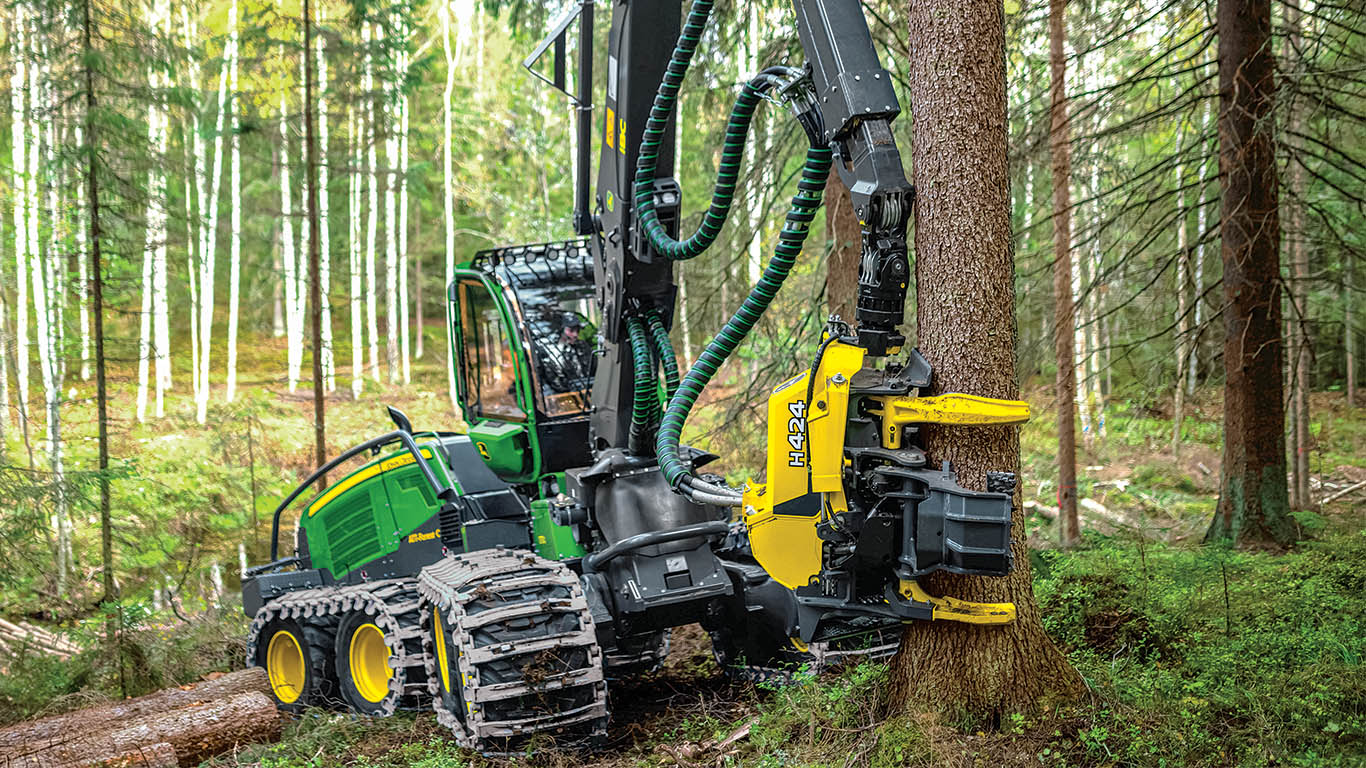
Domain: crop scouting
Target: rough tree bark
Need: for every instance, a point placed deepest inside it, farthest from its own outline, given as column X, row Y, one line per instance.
column 52, row 728
column 1253, row 505
column 1064, row 324
column 843, row 235
column 198, row 731
column 966, row 319
column 315, row 294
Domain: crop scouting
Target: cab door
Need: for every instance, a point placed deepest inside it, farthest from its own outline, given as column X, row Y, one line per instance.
column 493, row 379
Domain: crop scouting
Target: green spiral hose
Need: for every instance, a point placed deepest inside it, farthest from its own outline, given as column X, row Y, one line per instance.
column 790, row 240
column 732, row 149
column 645, row 403
column 664, row 349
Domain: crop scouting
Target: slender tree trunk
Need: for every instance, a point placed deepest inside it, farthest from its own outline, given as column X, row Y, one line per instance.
column 323, row 225
column 401, row 142
column 19, row 146
column 1198, row 288
column 315, row 295
column 1299, row 282
column 1183, row 327
column 844, row 237
column 1253, row 504
column 208, row 240
column 391, row 305
column 96, row 289
column 1064, row 331
column 293, row 322
column 448, row 186
column 235, row 252
column 353, row 254
column 966, row 317
column 372, row 221
column 1349, row 340
column 419, row 319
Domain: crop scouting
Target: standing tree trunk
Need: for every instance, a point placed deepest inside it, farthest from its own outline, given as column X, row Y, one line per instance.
column 323, row 224
column 844, row 237
column 1064, row 324
column 401, row 142
column 315, row 301
column 371, row 115
column 353, row 189
column 448, row 184
column 294, row 338
column 1349, row 337
column 96, row 291
column 235, row 248
column 1253, row 504
column 23, row 209
column 966, row 317
column 1299, row 276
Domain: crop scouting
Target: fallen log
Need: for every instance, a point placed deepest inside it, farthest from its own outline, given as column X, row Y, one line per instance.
column 194, row 733
column 102, row 717
column 160, row 755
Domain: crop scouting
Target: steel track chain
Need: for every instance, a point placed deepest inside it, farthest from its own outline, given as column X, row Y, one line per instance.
column 394, row 607
column 522, row 646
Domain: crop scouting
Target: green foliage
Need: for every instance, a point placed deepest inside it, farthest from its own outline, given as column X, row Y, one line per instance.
column 1272, row 673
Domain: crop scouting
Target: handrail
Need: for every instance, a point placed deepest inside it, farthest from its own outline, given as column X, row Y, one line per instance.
column 596, row 560
column 444, row 492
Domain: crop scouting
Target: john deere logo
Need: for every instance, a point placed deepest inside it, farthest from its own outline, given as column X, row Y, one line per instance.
column 483, row 449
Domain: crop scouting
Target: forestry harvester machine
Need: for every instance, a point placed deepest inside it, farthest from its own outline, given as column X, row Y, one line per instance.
column 506, row 576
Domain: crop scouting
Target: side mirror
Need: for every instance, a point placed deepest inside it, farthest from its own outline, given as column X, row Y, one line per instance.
column 400, row 421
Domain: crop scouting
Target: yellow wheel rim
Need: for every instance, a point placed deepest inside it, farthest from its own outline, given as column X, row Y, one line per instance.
column 370, row 668
column 285, row 667
column 441, row 649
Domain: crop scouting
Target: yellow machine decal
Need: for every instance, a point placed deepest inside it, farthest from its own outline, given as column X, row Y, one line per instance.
column 803, row 473
column 414, row 538
column 611, row 134
column 360, row 476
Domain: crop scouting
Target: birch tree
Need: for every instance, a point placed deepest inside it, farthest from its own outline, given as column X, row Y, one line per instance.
column 372, row 173
column 154, row 330
column 324, row 230
column 235, row 187
column 294, row 340
column 208, row 184
column 19, row 146
column 388, row 99
column 353, row 188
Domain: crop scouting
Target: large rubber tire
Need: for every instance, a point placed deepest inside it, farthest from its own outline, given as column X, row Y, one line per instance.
column 364, row 665
column 296, row 660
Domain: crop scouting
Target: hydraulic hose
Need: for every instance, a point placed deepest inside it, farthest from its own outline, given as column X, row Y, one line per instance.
column 645, row 403
column 664, row 349
column 732, row 148
column 790, row 240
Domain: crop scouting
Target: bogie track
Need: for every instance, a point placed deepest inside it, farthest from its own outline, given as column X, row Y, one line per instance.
column 511, row 651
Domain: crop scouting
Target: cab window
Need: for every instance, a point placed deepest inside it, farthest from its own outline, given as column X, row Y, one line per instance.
column 487, row 356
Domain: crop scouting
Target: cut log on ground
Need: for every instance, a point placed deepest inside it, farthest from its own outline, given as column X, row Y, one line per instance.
column 24, row 737
column 160, row 755
column 195, row 733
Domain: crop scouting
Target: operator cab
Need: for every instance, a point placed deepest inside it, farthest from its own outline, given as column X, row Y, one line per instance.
column 523, row 335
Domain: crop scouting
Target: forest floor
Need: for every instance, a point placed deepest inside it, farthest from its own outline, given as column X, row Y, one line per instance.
column 1194, row 655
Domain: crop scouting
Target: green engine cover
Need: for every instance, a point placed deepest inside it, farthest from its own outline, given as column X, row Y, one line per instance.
column 370, row 511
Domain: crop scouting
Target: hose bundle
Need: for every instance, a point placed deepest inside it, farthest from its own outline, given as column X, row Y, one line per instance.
column 683, row 395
